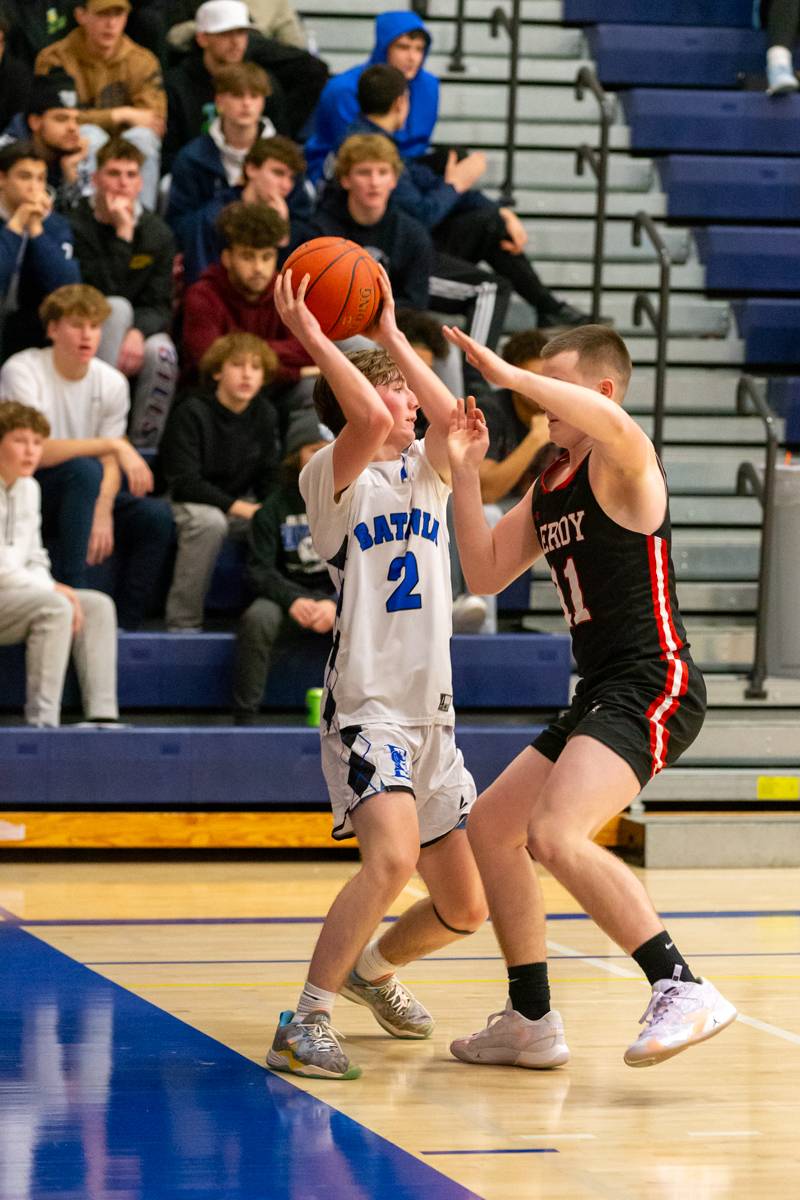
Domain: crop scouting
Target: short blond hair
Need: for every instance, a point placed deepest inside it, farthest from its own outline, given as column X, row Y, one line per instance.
column 366, row 147
column 236, row 345
column 75, row 300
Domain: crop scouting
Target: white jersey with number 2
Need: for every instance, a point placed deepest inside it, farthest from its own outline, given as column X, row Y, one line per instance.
column 386, row 545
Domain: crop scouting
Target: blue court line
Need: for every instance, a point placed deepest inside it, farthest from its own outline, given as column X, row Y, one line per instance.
column 181, row 1114
column 703, row 915
column 275, row 962
column 513, row 1150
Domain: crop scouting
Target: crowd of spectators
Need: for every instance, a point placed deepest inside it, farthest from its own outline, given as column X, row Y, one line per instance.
column 158, row 162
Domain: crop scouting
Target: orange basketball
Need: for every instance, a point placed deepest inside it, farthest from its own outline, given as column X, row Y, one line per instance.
column 344, row 292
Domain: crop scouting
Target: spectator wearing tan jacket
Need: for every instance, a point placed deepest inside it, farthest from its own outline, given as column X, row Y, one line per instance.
column 119, row 85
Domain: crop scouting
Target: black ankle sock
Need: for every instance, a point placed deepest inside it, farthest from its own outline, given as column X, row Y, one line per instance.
column 659, row 957
column 529, row 990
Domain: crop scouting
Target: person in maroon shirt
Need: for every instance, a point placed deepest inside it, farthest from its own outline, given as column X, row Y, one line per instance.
column 237, row 294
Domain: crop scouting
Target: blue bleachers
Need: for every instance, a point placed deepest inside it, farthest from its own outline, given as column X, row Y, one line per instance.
column 655, row 12
column 770, row 328
column 744, row 259
column 733, row 188
column 670, row 56
column 193, row 671
column 663, row 119
column 200, row 768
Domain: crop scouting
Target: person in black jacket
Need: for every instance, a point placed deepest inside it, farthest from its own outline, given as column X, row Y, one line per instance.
column 358, row 205
column 15, row 76
column 290, row 581
column 127, row 253
column 219, row 459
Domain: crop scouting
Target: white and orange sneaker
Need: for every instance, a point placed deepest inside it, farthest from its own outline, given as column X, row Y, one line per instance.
column 511, row 1040
column 678, row 1015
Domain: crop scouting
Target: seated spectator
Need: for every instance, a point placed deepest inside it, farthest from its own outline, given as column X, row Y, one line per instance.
column 213, row 162
column 87, row 511
column 127, row 253
column 51, row 618
column 119, row 85
column 358, row 207
column 36, row 252
column 402, row 41
column 51, row 123
column 462, row 220
column 290, row 582
column 519, row 442
column 35, row 24
column 273, row 174
column 15, row 76
column 781, row 19
column 224, row 36
column 237, row 294
column 219, row 460
column 275, row 19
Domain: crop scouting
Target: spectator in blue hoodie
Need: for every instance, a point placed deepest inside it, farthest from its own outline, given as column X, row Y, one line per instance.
column 402, row 41
column 36, row 251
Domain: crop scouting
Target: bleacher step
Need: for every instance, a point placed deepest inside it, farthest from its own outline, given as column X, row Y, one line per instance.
column 689, row 316
column 711, row 840
column 718, row 642
column 693, row 597
column 462, row 130
column 354, row 38
column 724, row 785
column 480, row 67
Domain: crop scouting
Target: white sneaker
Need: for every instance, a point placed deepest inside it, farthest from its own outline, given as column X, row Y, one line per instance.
column 678, row 1015
column 781, row 79
column 469, row 613
column 511, row 1040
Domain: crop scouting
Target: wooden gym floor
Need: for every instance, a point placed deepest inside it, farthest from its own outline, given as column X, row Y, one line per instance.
column 222, row 947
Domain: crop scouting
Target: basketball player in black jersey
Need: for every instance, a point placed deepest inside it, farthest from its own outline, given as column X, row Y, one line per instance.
column 600, row 515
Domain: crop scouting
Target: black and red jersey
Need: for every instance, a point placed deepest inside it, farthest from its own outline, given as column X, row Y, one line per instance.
column 616, row 587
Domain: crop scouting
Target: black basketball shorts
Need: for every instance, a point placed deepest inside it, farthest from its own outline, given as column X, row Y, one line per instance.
column 648, row 714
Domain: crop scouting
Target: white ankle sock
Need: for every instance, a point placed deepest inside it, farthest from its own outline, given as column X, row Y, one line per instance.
column 780, row 56
column 314, row 999
column 372, row 965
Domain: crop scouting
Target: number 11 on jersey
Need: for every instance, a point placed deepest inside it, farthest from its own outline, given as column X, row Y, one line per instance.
column 578, row 613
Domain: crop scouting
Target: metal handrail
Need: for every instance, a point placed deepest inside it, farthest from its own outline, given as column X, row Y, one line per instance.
column 747, row 479
column 659, row 317
column 500, row 20
column 457, row 64
column 586, row 80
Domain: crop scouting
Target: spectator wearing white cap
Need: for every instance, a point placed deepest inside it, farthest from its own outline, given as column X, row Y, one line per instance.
column 104, row 63
column 224, row 35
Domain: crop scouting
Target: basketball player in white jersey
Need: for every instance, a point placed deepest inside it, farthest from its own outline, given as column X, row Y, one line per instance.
column 375, row 499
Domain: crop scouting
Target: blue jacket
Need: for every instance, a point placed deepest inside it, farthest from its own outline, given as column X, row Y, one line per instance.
column 420, row 191
column 338, row 104
column 42, row 264
column 198, row 192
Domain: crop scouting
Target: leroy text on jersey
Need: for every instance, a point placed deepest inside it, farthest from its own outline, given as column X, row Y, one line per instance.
column 556, row 534
column 396, row 527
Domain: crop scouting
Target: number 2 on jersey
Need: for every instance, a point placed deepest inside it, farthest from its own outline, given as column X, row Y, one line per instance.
column 579, row 612
column 403, row 597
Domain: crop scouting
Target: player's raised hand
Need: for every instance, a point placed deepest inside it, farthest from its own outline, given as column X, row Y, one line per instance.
column 468, row 439
column 292, row 308
column 385, row 328
column 492, row 367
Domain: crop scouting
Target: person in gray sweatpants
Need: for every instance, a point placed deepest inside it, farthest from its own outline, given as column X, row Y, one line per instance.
column 51, row 618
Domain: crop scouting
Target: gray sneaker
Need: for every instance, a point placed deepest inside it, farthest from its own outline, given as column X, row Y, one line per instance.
column 392, row 1006
column 309, row 1047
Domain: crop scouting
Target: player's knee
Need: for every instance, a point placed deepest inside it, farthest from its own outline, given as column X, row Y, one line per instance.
column 470, row 914
column 392, row 873
column 548, row 843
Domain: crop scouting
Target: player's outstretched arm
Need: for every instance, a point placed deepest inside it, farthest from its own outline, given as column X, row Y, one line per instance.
column 616, row 435
column 368, row 420
column 490, row 558
column 435, row 399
